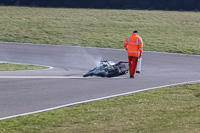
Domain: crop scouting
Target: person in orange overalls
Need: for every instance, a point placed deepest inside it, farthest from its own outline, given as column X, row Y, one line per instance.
column 134, row 47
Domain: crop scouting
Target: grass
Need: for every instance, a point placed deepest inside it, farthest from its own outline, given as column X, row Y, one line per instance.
column 173, row 109
column 18, row 67
column 165, row 31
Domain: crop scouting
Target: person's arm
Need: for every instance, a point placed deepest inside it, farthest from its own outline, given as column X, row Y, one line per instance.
column 126, row 44
column 140, row 46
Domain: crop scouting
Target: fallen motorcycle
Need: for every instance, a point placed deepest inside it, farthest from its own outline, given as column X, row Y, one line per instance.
column 108, row 69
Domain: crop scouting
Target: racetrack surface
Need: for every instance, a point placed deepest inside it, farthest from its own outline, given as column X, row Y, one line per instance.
column 28, row 91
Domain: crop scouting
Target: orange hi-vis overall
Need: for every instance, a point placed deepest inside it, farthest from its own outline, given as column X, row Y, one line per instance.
column 134, row 47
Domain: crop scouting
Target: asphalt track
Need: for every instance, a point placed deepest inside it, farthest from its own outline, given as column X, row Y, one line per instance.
column 62, row 85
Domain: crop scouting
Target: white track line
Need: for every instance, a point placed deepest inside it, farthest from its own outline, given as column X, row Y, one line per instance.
column 101, row 98
column 49, row 67
column 53, row 77
column 40, row 77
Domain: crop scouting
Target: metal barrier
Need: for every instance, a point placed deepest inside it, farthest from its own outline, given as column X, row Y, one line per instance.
column 41, row 3
column 99, row 3
column 116, row 4
column 130, row 4
column 175, row 4
column 160, row 4
column 189, row 5
column 25, row 2
column 71, row 3
column 144, row 4
column 9, row 2
column 198, row 5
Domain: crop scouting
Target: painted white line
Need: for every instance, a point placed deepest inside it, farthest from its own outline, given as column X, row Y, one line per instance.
column 52, row 77
column 40, row 77
column 101, row 98
column 48, row 67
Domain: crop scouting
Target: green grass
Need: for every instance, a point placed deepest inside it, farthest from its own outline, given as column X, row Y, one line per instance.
column 18, row 67
column 169, row 31
column 166, row 110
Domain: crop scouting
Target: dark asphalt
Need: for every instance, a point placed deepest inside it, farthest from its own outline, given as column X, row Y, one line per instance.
column 22, row 95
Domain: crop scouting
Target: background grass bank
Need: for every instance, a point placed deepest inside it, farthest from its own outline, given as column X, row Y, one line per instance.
column 18, row 67
column 168, row 31
column 165, row 110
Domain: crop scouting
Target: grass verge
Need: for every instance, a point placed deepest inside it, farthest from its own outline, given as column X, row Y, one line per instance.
column 173, row 109
column 165, row 31
column 18, row 67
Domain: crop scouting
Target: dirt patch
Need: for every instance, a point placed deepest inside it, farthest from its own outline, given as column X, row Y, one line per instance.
column 197, row 95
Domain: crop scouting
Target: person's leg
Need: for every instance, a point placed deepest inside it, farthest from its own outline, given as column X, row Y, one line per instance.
column 134, row 65
column 130, row 59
